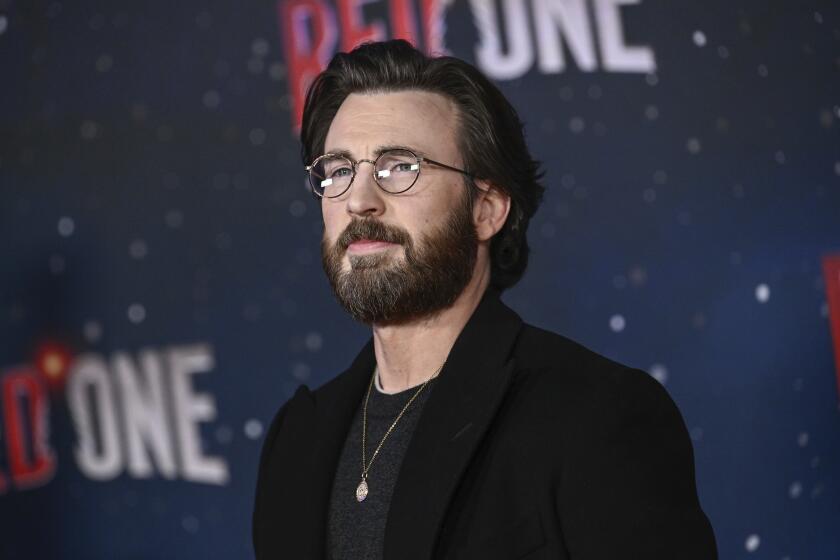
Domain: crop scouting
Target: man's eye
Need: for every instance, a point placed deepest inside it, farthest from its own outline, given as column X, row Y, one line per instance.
column 402, row 168
column 340, row 172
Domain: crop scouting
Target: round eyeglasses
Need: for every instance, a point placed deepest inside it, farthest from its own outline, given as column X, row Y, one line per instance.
column 395, row 171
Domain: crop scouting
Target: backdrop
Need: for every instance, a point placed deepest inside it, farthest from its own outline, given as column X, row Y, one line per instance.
column 161, row 291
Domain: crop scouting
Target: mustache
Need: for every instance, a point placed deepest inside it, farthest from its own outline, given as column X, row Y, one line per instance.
column 373, row 230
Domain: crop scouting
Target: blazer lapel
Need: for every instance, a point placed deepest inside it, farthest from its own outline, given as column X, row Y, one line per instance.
column 335, row 409
column 455, row 417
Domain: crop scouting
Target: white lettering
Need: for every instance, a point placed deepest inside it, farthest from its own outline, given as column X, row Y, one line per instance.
column 570, row 16
column 89, row 376
column 191, row 408
column 489, row 55
column 144, row 414
column 506, row 49
column 616, row 55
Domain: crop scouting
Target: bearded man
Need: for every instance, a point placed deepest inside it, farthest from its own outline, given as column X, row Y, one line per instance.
column 458, row 431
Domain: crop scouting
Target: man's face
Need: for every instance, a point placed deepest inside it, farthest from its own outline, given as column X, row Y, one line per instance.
column 391, row 258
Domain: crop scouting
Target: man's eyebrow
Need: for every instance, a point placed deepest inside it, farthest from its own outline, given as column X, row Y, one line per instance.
column 378, row 151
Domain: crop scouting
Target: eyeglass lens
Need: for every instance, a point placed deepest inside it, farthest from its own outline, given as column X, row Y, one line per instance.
column 395, row 172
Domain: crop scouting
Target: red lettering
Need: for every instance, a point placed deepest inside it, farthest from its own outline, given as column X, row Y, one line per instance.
column 3, row 484
column 38, row 465
column 353, row 30
column 433, row 26
column 403, row 24
column 831, row 272
column 306, row 54
column 310, row 35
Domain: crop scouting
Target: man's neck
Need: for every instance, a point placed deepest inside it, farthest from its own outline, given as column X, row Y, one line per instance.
column 410, row 353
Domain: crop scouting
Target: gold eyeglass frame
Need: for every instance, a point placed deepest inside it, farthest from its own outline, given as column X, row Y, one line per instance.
column 354, row 164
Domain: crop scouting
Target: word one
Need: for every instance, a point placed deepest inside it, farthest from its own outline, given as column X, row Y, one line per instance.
column 141, row 416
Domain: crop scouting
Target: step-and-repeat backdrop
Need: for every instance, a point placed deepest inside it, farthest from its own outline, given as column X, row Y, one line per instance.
column 161, row 291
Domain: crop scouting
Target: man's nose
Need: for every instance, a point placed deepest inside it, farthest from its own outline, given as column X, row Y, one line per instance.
column 365, row 197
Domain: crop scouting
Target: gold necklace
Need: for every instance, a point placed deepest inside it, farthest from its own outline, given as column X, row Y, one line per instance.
column 362, row 488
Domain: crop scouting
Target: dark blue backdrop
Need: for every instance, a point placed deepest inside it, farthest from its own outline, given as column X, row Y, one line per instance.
column 152, row 203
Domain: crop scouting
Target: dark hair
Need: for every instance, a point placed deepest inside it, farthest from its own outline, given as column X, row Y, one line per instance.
column 490, row 135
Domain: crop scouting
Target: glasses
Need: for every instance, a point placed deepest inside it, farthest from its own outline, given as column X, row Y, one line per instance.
column 395, row 171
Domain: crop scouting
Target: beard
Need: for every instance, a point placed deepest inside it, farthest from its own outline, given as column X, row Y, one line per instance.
column 383, row 289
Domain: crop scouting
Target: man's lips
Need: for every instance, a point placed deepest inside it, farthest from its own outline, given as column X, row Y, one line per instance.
column 369, row 246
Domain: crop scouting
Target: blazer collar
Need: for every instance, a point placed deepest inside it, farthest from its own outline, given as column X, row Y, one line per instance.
column 456, row 415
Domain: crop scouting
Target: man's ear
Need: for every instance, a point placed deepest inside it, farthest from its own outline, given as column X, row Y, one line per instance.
column 490, row 210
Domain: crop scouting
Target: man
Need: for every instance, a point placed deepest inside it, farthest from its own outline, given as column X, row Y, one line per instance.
column 458, row 431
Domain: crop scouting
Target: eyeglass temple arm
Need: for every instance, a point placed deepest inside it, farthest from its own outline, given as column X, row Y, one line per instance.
column 439, row 164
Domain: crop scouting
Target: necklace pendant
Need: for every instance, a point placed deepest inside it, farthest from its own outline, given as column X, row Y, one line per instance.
column 361, row 491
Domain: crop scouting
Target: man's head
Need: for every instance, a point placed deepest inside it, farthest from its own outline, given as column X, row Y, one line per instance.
column 390, row 94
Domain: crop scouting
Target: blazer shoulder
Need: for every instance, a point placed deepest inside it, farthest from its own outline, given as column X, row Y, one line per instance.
column 540, row 349
column 567, row 371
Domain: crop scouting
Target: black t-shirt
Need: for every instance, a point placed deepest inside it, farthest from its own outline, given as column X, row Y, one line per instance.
column 357, row 529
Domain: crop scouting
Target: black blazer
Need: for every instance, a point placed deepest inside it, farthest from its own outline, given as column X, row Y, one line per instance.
column 529, row 446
